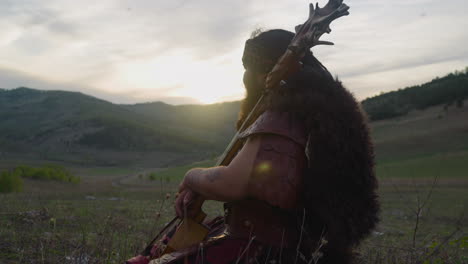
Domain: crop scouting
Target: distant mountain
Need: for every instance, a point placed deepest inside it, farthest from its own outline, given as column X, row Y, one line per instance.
column 34, row 121
column 214, row 123
column 448, row 90
column 36, row 117
column 74, row 127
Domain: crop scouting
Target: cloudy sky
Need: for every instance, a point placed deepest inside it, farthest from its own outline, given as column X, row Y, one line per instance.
column 189, row 51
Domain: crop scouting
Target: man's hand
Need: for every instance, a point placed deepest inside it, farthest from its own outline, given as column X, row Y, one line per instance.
column 187, row 202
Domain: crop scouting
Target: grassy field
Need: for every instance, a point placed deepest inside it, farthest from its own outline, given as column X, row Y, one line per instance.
column 448, row 165
column 113, row 212
column 98, row 223
column 93, row 222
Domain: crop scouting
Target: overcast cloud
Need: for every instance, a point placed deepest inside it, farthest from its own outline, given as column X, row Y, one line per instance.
column 186, row 51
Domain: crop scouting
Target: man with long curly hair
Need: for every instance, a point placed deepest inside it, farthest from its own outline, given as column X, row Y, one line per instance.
column 303, row 187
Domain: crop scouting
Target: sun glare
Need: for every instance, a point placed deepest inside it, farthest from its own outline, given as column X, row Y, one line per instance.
column 180, row 75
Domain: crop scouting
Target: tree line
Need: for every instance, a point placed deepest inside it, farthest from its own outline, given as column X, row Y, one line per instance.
column 451, row 89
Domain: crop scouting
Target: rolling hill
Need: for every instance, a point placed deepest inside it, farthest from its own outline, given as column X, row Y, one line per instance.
column 60, row 119
column 72, row 127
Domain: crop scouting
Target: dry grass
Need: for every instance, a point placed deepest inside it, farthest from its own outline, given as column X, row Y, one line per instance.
column 62, row 223
column 93, row 222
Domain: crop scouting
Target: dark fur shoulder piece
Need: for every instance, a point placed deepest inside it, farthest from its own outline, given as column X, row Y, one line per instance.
column 340, row 197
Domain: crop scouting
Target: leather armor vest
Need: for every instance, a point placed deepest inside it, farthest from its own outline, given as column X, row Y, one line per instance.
column 276, row 183
column 280, row 162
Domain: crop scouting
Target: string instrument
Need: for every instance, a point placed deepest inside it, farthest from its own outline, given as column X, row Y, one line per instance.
column 191, row 231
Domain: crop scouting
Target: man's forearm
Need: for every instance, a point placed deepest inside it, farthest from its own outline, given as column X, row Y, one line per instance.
column 226, row 183
column 214, row 184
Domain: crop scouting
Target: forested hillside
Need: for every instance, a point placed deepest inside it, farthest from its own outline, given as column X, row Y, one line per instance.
column 449, row 90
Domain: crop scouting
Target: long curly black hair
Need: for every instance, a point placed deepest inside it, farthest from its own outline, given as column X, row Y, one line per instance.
column 340, row 200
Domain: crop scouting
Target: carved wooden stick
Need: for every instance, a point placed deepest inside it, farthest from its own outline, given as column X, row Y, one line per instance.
column 307, row 36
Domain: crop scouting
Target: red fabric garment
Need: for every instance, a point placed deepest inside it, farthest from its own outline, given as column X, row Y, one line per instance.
column 219, row 248
column 222, row 248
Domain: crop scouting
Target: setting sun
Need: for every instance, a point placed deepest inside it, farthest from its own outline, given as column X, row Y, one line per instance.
column 179, row 74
